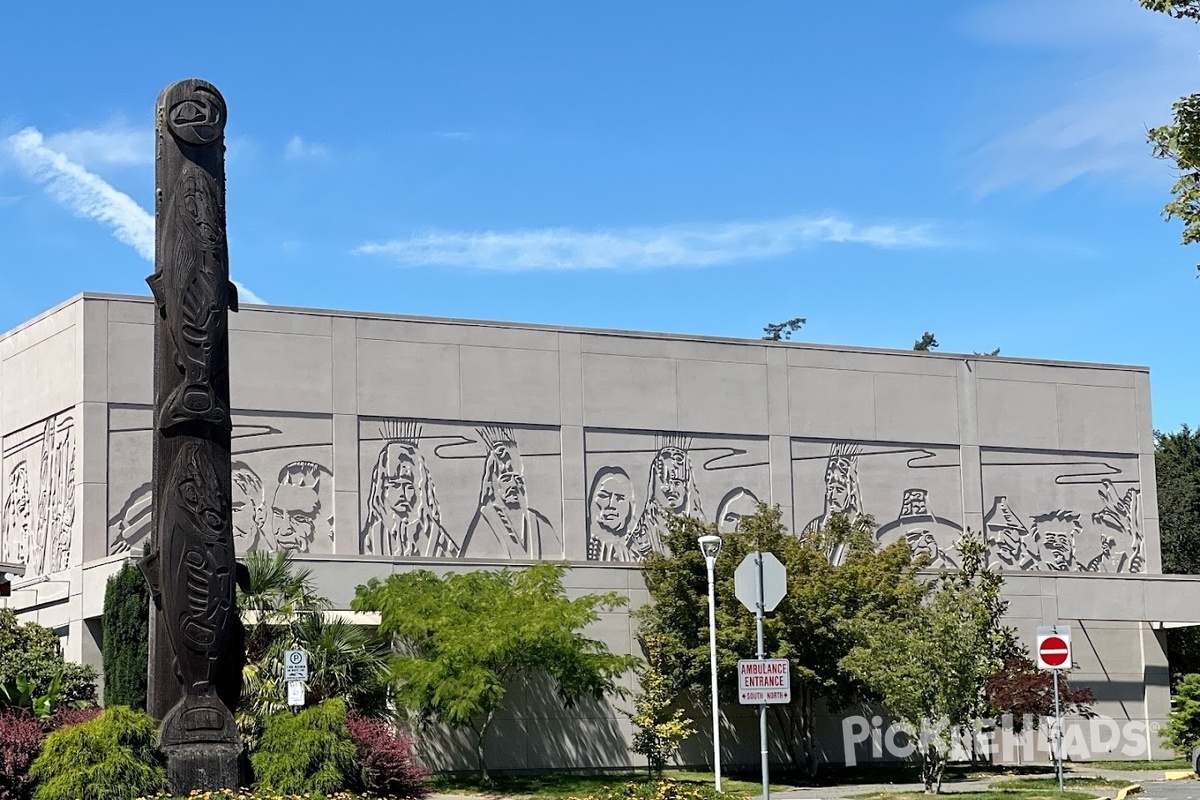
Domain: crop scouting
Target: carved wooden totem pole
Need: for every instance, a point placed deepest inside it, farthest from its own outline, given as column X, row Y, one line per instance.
column 195, row 635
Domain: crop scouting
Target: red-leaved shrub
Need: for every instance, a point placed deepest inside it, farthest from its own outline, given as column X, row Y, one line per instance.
column 386, row 758
column 65, row 716
column 20, row 741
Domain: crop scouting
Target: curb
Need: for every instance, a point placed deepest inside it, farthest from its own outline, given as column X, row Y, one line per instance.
column 1178, row 774
column 1133, row 788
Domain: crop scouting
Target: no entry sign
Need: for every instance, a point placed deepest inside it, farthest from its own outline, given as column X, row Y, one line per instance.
column 1054, row 647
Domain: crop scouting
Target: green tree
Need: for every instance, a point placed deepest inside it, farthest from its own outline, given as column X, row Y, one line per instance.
column 1182, row 731
column 813, row 626
column 927, row 342
column 1177, row 467
column 126, row 646
column 931, row 667
column 32, row 650
column 1179, row 140
column 774, row 331
column 661, row 724
column 465, row 638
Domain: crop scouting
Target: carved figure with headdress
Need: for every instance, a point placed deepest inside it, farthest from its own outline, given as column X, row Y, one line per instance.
column 505, row 526
column 403, row 515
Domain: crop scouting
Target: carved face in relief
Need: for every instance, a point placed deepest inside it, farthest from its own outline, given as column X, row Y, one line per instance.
column 1059, row 547
column 198, row 118
column 735, row 506
column 611, row 504
column 296, row 507
column 672, row 468
column 508, row 481
column 294, row 517
column 248, row 512
column 1056, row 534
column 839, row 485
column 198, row 494
column 198, row 205
column 400, row 487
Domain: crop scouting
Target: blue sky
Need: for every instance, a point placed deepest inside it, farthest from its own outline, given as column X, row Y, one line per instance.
column 976, row 169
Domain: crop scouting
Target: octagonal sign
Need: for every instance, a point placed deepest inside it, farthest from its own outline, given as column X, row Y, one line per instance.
column 774, row 579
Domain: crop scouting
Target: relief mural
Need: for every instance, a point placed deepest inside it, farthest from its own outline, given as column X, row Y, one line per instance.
column 282, row 490
column 494, row 479
column 39, row 496
column 913, row 492
column 680, row 470
column 1083, row 511
column 1063, row 512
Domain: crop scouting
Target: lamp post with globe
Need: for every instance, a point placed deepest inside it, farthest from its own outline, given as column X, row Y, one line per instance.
column 710, row 546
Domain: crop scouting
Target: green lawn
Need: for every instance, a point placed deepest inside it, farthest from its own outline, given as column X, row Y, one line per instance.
column 552, row 786
column 1139, row 766
column 1081, row 782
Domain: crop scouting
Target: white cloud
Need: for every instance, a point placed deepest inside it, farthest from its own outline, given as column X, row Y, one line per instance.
column 247, row 296
column 89, row 195
column 298, row 150
column 456, row 136
column 83, row 192
column 115, row 144
column 1112, row 70
column 697, row 245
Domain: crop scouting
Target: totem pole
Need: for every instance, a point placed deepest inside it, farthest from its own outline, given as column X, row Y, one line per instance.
column 195, row 634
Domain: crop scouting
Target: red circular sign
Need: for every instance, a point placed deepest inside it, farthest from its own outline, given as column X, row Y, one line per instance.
column 1053, row 651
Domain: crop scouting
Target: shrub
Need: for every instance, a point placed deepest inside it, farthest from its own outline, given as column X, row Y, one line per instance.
column 111, row 757
column 65, row 716
column 126, row 638
column 20, row 739
column 309, row 752
column 32, row 650
column 386, row 759
column 1182, row 731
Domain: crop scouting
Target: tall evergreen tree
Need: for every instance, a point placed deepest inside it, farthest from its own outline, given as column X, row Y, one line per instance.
column 1177, row 467
column 126, row 638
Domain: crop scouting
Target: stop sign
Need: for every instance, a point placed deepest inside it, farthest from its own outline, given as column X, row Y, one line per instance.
column 1054, row 650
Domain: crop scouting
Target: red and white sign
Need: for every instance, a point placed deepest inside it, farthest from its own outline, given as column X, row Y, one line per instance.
column 767, row 680
column 1054, row 647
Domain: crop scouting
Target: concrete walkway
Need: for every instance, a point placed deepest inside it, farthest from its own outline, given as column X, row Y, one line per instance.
column 839, row 791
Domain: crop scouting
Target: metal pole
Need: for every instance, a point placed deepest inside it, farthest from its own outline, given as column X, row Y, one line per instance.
column 762, row 708
column 1058, row 734
column 712, row 648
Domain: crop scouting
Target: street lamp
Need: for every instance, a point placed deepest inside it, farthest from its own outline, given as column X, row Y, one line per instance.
column 710, row 546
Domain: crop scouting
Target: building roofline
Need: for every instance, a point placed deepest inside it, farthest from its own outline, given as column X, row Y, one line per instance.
column 626, row 334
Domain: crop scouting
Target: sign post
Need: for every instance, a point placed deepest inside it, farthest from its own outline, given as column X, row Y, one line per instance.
column 295, row 672
column 760, row 582
column 1054, row 654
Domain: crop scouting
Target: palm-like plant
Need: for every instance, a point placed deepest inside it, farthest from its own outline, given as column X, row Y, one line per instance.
column 281, row 610
column 277, row 596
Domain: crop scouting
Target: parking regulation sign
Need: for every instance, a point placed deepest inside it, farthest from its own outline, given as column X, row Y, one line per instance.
column 295, row 665
column 764, row 680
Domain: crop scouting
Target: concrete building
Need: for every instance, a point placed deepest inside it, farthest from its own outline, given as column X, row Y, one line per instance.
column 370, row 443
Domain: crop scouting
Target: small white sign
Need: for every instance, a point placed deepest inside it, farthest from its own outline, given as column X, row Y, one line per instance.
column 767, row 680
column 295, row 693
column 295, row 665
